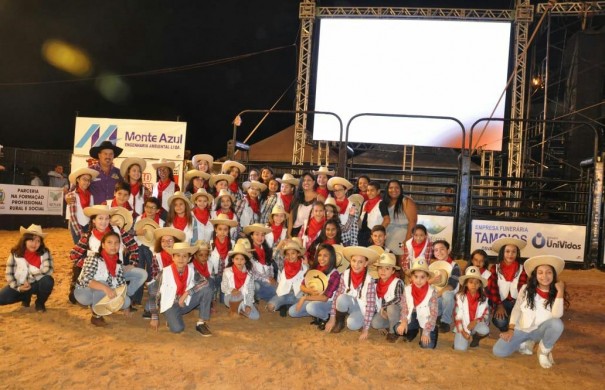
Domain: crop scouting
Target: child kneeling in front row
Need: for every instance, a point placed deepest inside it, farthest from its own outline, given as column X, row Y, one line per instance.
column 472, row 310
column 389, row 290
column 419, row 307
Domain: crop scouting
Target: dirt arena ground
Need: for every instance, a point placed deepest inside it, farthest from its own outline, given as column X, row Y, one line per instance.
column 61, row 349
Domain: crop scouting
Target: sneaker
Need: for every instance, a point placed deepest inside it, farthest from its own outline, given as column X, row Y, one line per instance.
column 146, row 314
column 41, row 308
column 444, row 327
column 392, row 337
column 202, row 328
column 72, row 298
column 527, row 347
column 283, row 311
column 98, row 321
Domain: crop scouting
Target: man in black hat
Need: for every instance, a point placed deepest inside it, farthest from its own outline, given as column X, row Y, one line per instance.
column 103, row 186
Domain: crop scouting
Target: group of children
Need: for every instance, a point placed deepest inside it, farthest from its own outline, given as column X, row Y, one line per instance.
column 217, row 243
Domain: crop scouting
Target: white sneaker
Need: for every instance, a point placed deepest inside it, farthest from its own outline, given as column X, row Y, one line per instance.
column 527, row 347
column 545, row 356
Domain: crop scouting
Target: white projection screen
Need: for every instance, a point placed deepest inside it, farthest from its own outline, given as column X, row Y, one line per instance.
column 413, row 67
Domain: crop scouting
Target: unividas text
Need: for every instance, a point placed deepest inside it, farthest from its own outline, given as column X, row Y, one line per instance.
column 562, row 244
column 164, row 138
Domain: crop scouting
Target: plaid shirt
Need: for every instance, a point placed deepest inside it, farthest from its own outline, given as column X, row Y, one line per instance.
column 90, row 269
column 370, row 299
column 493, row 292
column 73, row 209
column 80, row 251
column 349, row 231
column 46, row 268
column 458, row 312
column 407, row 258
column 433, row 307
column 398, row 295
column 199, row 282
column 266, row 207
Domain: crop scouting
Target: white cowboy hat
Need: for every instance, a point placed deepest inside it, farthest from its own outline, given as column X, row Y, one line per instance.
column 240, row 249
column 196, row 173
column 357, row 199
column 292, row 245
column 169, row 231
column 178, row 195
column 376, row 248
column 473, row 272
column 202, row 157
column 288, row 179
column 33, row 229
column 220, row 177
column 499, row 243
column 121, row 218
column 443, row 268
column 278, row 209
column 385, row 260
column 350, row 251
column 316, row 280
column 341, row 262
column 323, row 170
column 98, row 209
column 254, row 184
column 554, row 261
column 163, row 163
column 82, row 171
column 227, row 165
column 148, row 226
column 336, row 180
column 125, row 165
column 223, row 219
column 202, row 245
column 256, row 227
column 222, row 193
column 330, row 201
column 182, row 247
column 107, row 306
column 420, row 265
column 202, row 192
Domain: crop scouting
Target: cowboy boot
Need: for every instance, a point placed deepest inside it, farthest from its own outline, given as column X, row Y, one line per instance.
column 476, row 338
column 527, row 347
column 545, row 356
column 340, row 322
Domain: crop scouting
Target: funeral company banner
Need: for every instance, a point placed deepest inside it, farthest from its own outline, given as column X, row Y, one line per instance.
column 138, row 138
column 565, row 241
column 33, row 200
column 439, row 227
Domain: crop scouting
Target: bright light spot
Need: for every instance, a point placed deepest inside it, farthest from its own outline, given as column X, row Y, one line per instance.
column 112, row 88
column 66, row 57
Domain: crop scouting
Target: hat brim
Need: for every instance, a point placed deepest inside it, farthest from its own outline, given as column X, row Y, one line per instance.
column 209, row 197
column 95, row 150
column 169, row 231
column 130, row 161
column 107, row 306
column 167, row 164
column 220, row 177
column 292, row 182
column 463, row 278
column 202, row 157
column 73, row 177
column 228, row 222
column 91, row 211
column 196, row 173
column 255, row 228
column 188, row 250
column 317, row 280
column 23, row 230
column 339, row 181
column 554, row 261
column 499, row 243
column 350, row 251
column 125, row 215
column 227, row 165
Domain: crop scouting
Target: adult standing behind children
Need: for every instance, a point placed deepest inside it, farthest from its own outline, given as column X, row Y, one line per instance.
column 103, row 186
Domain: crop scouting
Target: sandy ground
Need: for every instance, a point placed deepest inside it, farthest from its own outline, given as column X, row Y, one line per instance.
column 61, row 349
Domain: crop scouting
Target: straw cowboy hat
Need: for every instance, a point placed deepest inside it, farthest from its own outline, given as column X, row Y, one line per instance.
column 420, row 265
column 473, row 272
column 369, row 254
column 169, row 231
column 163, row 163
column 331, row 201
column 357, row 199
column 288, row 179
column 292, row 245
column 376, row 248
column 148, row 226
column 385, row 260
column 240, row 249
column 202, row 192
column 202, row 157
column 182, row 247
column 316, row 280
column 554, row 261
column 82, row 171
column 202, row 246
column 223, row 219
column 499, row 243
column 341, row 262
column 178, row 195
column 245, row 242
column 36, row 230
column 298, row 240
column 256, row 227
column 227, row 165
column 324, row 171
column 107, row 306
column 443, row 268
column 128, row 162
column 196, row 173
column 336, row 180
column 254, row 184
column 222, row 193
column 278, row 209
column 98, row 209
column 95, row 150
column 220, row 177
column 122, row 218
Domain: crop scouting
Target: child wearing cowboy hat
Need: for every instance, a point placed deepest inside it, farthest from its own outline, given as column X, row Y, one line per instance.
column 418, row 246
column 321, row 177
column 29, row 270
column 373, row 212
column 507, row 278
column 312, row 227
column 330, row 234
column 78, row 200
column 537, row 312
column 446, row 296
column 248, row 208
column 195, row 181
column 279, row 230
column 132, row 169
column 356, row 294
column 264, row 270
column 472, row 310
column 289, row 279
column 220, row 245
column 235, row 170
column 225, row 204
column 269, row 199
column 288, row 184
column 165, row 185
column 238, row 284
column 202, row 202
column 179, row 289
column 419, row 307
column 389, row 292
column 345, row 210
column 180, row 217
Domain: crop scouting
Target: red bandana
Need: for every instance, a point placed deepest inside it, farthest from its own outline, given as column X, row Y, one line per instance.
column 382, row 287
column 320, row 268
column 254, row 204
column 509, row 270
column 99, row 234
column 473, row 302
column 364, row 194
column 260, row 254
column 162, row 185
column 233, row 187
column 315, row 227
column 543, row 294
column 156, row 218
column 291, row 268
column 166, row 259
column 179, row 222
column 330, row 241
column 370, row 203
column 126, row 205
column 419, row 293
column 111, row 261
column 287, row 201
column 135, row 188
column 202, row 268
column 222, row 247
column 357, row 277
column 277, row 229
column 84, row 196
column 418, row 247
column 342, row 205
column 201, row 215
column 239, row 277
column 180, row 280
column 322, row 191
column 32, row 258
column 227, row 213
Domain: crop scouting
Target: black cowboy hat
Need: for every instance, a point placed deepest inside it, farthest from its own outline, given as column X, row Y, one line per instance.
column 95, row 150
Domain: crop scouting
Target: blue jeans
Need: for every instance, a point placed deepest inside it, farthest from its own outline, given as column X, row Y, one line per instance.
column 348, row 304
column 414, row 329
column 200, row 300
column 75, row 236
column 264, row 291
column 145, row 260
column 135, row 279
column 503, row 323
column 41, row 288
column 89, row 297
column 446, row 303
column 319, row 309
column 279, row 301
column 461, row 344
column 299, row 313
column 254, row 314
column 393, row 314
column 548, row 332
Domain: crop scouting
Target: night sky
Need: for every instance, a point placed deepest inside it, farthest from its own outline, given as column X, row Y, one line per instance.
column 125, row 37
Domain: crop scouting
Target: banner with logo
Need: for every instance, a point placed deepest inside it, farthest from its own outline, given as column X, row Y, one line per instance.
column 33, row 200
column 439, row 227
column 138, row 138
column 565, row 241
